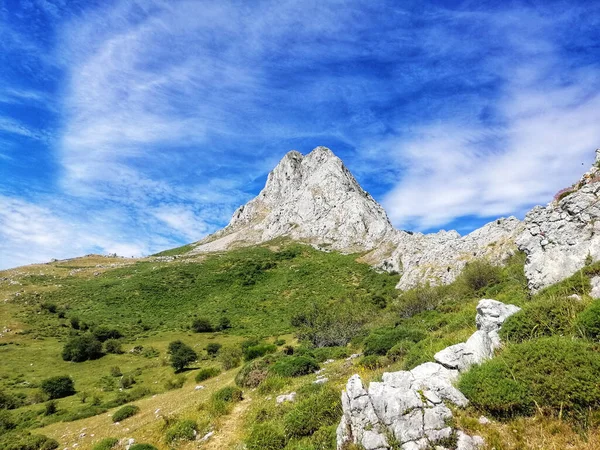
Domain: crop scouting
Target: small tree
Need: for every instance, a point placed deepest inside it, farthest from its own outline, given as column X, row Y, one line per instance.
column 224, row 323
column 213, row 348
column 82, row 348
column 182, row 355
column 58, row 387
column 202, row 326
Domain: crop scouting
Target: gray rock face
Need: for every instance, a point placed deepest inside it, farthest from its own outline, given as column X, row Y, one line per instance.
column 491, row 314
column 410, row 405
column 558, row 238
column 440, row 257
column 312, row 198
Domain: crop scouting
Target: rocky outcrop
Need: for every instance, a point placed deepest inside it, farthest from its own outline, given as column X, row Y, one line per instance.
column 440, row 257
column 312, row 198
column 409, row 407
column 559, row 237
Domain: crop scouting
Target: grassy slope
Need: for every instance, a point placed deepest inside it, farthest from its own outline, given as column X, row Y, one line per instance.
column 172, row 292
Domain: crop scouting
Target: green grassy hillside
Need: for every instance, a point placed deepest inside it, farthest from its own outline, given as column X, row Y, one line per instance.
column 274, row 295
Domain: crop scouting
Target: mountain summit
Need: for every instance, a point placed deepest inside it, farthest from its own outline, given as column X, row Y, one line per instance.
column 313, row 198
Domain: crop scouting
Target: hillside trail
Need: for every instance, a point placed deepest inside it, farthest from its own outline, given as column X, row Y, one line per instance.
column 228, row 434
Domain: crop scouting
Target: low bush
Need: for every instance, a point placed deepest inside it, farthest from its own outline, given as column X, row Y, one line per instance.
column 142, row 447
column 321, row 408
column 10, row 401
column 115, row 371
column 202, row 326
column 324, row 353
column 125, row 412
column 224, row 323
column 558, row 374
column 400, row 350
column 205, row 374
column 113, row 346
column 183, row 430
column 545, row 316
column 127, row 381
column 175, row 383
column 6, row 422
column 265, row 436
column 478, row 275
column 50, row 408
column 273, row 383
column 230, row 357
column 82, row 348
column 213, row 348
column 371, row 362
column 381, row 340
column 229, row 394
column 58, row 387
column 106, row 444
column 255, row 371
column 419, row 299
column 588, row 321
column 294, row 366
column 26, row 441
column 256, row 351
column 104, row 334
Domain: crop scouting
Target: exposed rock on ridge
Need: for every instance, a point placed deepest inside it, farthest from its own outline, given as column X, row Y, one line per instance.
column 558, row 237
column 313, row 198
column 440, row 257
column 409, row 405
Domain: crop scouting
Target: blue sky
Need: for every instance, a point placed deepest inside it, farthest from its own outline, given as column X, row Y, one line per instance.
column 135, row 126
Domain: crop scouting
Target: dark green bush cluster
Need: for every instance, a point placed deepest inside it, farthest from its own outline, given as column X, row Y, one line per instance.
column 544, row 316
column 205, row 374
column 556, row 373
column 419, row 299
column 125, row 412
column 202, row 325
column 106, row 444
column 58, row 387
column 372, row 362
column 113, row 346
column 103, row 334
column 324, row 353
column 479, row 274
column 175, row 383
column 381, row 340
column 589, row 321
column 81, row 348
column 142, row 447
column 294, row 366
column 213, row 348
column 183, row 430
column 26, row 441
column 399, row 350
column 256, row 351
column 10, row 401
column 255, row 371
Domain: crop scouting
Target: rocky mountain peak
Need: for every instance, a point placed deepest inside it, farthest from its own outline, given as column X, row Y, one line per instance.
column 311, row 197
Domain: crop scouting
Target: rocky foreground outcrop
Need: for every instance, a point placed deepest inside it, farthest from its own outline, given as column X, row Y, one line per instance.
column 559, row 237
column 410, row 407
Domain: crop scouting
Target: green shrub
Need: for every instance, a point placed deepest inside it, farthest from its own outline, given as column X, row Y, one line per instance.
column 127, row 381
column 381, row 340
column 328, row 325
column 82, row 348
column 371, row 362
column 106, row 444
column 202, row 326
column 183, row 430
column 182, row 355
column 49, row 307
column 50, row 408
column 294, row 366
column 213, row 348
column 113, row 346
column 228, row 394
column 265, row 436
column 115, row 371
column 273, row 383
column 400, row 350
column 205, row 374
column 557, row 373
column 9, row 401
column 419, row 299
column 324, row 353
column 125, row 412
column 224, row 323
column 6, row 422
column 175, row 383
column 588, row 321
column 545, row 316
column 279, row 342
column 150, row 352
column 104, row 334
column 142, row 447
column 58, row 387
column 256, row 351
column 230, row 357
column 478, row 275
column 322, row 408
column 255, row 371
column 26, row 441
